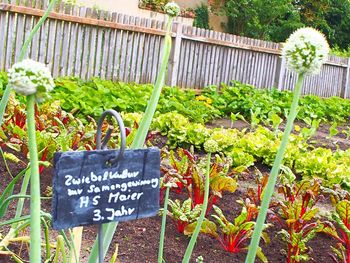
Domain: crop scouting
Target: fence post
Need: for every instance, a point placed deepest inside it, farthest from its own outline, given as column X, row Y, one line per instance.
column 280, row 72
column 175, row 55
column 344, row 93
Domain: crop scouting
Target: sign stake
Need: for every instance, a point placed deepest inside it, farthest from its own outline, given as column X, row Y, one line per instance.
column 100, row 244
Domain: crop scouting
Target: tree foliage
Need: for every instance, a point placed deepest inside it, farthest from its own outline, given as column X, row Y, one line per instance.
column 275, row 20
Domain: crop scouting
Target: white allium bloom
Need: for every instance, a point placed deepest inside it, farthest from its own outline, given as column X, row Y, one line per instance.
column 305, row 51
column 30, row 77
column 211, row 146
column 172, row 9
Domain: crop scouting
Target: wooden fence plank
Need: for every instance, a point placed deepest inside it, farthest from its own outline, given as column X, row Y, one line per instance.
column 92, row 51
column 19, row 35
column 34, row 48
column 86, row 47
column 79, row 50
column 120, row 47
column 98, row 54
column 118, row 50
column 345, row 83
column 111, row 49
column 73, row 39
column 124, row 44
column 10, row 40
column 3, row 29
column 140, row 53
column 105, row 44
column 67, row 27
column 58, row 44
column 145, row 54
column 129, row 49
column 50, row 42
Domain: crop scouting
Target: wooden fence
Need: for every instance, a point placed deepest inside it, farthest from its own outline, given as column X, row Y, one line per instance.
column 84, row 42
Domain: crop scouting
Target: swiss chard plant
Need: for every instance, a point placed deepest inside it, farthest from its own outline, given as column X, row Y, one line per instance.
column 341, row 216
column 187, row 173
column 232, row 235
column 299, row 216
column 305, row 51
column 183, row 214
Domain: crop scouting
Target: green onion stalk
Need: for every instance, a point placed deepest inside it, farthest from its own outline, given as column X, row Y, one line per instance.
column 109, row 229
column 162, row 230
column 23, row 52
column 35, row 251
column 305, row 51
column 210, row 146
column 193, row 240
column 35, row 227
column 32, row 79
column 4, row 102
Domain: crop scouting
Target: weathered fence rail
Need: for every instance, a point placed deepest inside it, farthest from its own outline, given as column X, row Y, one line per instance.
column 84, row 42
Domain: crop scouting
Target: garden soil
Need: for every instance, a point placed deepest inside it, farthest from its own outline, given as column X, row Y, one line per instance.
column 137, row 241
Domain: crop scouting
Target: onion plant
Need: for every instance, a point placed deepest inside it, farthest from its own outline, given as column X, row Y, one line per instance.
column 32, row 79
column 210, row 146
column 109, row 229
column 4, row 102
column 22, row 54
column 305, row 51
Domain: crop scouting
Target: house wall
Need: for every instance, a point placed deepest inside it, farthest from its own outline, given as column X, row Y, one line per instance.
column 216, row 22
column 190, row 3
column 131, row 7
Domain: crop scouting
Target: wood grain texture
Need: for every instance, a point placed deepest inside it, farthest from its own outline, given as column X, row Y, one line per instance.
column 85, row 43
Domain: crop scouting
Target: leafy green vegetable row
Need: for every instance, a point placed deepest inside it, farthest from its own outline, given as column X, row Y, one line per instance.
column 91, row 98
column 262, row 103
column 261, row 145
column 61, row 131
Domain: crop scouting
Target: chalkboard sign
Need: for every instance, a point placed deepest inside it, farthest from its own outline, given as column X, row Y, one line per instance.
column 87, row 189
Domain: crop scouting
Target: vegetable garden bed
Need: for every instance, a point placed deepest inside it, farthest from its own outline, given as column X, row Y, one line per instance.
column 245, row 122
column 219, row 177
column 138, row 240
